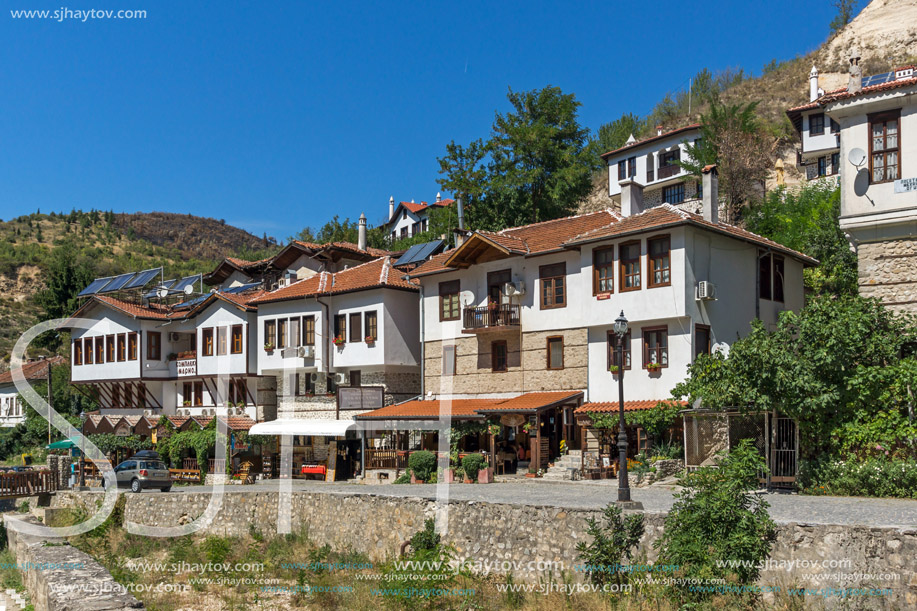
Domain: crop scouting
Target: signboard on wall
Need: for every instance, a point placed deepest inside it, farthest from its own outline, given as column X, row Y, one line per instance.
column 186, row 367
column 360, row 397
column 906, row 185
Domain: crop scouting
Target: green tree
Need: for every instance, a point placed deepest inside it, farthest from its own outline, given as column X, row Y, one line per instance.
column 846, row 10
column 612, row 543
column 537, row 164
column 715, row 521
column 836, row 362
column 68, row 273
column 806, row 219
column 734, row 141
column 614, row 135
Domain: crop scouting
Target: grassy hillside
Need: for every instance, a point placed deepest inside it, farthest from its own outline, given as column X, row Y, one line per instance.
column 101, row 244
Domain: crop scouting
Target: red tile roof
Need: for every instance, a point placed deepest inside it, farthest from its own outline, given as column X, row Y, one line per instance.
column 36, row 370
column 152, row 311
column 666, row 215
column 843, row 94
column 415, row 208
column 604, row 407
column 378, row 273
column 673, row 132
column 470, row 408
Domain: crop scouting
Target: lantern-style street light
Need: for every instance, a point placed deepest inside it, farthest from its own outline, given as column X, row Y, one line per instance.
column 620, row 329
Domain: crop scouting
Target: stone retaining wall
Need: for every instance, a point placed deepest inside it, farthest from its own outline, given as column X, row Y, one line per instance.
column 77, row 582
column 494, row 533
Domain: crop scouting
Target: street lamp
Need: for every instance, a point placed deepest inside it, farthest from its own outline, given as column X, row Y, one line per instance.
column 82, row 451
column 620, row 329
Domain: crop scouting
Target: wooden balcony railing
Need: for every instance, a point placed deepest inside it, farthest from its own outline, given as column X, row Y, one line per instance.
column 491, row 316
column 668, row 171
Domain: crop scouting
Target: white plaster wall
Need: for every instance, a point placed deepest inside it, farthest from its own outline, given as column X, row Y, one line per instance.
column 275, row 362
column 824, row 142
column 222, row 314
column 641, row 151
column 106, row 322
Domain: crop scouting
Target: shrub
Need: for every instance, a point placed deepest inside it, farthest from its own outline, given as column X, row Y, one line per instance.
column 878, row 476
column 426, row 539
column 715, row 521
column 423, row 464
column 472, row 463
column 611, row 543
column 404, row 478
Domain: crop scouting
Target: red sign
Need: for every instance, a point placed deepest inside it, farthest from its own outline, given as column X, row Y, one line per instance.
column 603, row 296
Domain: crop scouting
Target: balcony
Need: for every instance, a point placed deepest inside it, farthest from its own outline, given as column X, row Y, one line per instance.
column 668, row 171
column 491, row 318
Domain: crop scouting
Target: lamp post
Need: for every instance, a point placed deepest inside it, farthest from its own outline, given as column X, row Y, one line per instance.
column 82, row 451
column 620, row 329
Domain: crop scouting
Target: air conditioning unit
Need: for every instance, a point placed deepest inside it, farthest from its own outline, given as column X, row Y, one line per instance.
column 313, row 377
column 512, row 289
column 174, row 337
column 706, row 291
column 306, row 352
column 340, row 378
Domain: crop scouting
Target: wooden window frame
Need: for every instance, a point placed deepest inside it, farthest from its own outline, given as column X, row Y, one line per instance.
column 493, row 356
column 283, row 329
column 622, row 170
column 198, row 394
column 100, row 350
column 308, row 330
column 340, row 326
column 356, row 378
column 835, row 126
column 778, row 278
column 207, row 342
column 884, row 118
column 371, row 324
column 553, row 305
column 110, row 348
column 294, row 332
column 650, row 270
column 355, row 327
column 644, row 334
column 447, row 294
column 548, row 341
column 121, row 347
column 612, row 343
column 270, row 332
column 700, row 327
column 678, row 187
column 622, row 262
column 236, row 339
column 88, row 354
column 452, row 371
column 610, row 279
column 153, row 346
column 133, row 346
column 669, row 158
column 222, row 340
column 821, row 130
column 631, row 167
column 77, row 352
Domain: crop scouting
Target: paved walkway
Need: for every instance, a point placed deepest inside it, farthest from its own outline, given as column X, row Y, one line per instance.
column 895, row 513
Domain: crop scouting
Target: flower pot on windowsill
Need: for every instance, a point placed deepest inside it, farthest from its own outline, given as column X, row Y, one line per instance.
column 269, row 348
column 654, row 368
column 614, row 369
column 338, row 343
column 370, row 341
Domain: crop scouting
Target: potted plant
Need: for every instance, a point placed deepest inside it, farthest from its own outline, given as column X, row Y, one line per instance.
column 613, row 368
column 527, row 427
column 485, row 474
column 653, row 367
column 458, row 474
column 269, row 347
column 338, row 341
column 533, row 473
column 370, row 339
column 473, row 463
column 172, row 356
column 186, row 403
column 494, row 428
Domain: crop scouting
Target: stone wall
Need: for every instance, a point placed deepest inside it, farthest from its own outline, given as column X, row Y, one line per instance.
column 312, row 400
column 76, row 580
column 526, row 369
column 888, row 270
column 494, row 533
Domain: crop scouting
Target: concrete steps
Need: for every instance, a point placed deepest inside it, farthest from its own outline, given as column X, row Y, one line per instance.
column 563, row 466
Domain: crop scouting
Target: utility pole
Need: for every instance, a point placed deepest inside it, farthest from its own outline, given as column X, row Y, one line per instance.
column 50, row 402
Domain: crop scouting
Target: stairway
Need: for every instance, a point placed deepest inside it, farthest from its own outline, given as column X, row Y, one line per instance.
column 573, row 459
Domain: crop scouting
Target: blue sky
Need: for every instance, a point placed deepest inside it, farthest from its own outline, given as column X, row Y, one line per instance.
column 278, row 115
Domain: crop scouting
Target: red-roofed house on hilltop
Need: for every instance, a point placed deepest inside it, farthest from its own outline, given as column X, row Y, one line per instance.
column 819, row 136
column 12, row 411
column 407, row 219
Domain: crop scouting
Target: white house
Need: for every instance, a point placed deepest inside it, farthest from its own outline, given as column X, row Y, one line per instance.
column 652, row 163
column 819, row 135
column 12, row 409
column 519, row 322
column 878, row 122
column 408, row 218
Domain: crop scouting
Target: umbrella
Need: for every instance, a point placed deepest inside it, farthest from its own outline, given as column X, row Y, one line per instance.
column 64, row 444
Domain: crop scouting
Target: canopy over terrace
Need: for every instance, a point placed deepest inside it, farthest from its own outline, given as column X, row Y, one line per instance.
column 546, row 416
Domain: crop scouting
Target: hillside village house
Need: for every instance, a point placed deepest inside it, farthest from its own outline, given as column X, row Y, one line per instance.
column 517, row 324
column 878, row 122
column 11, row 407
column 819, row 135
column 407, row 219
column 652, row 163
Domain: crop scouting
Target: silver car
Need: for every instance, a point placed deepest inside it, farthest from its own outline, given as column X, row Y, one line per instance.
column 138, row 473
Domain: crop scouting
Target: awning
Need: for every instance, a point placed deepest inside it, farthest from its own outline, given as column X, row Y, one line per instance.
column 64, row 444
column 303, row 426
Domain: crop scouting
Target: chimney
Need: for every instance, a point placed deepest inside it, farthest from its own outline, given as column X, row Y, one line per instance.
column 391, row 207
column 813, row 84
column 361, row 241
column 461, row 213
column 658, row 130
column 631, row 197
column 711, row 207
column 439, row 197
column 855, row 82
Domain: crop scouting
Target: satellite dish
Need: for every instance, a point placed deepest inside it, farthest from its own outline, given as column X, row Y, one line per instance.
column 857, row 157
column 189, row 289
column 721, row 348
column 162, row 292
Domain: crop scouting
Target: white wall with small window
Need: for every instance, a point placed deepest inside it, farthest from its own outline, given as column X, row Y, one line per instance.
column 109, row 349
column 11, row 408
column 653, row 163
column 223, row 337
column 820, row 133
column 285, row 326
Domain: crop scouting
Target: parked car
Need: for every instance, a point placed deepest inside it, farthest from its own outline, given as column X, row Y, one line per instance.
column 143, row 470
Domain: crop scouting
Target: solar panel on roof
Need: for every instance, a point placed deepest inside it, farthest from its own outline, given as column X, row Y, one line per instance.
column 878, row 79
column 117, row 283
column 419, row 252
column 429, row 249
column 142, row 278
column 191, row 302
column 410, row 255
column 242, row 288
column 186, row 281
column 155, row 292
column 94, row 286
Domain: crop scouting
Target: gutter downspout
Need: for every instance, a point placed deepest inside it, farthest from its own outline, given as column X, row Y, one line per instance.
column 422, row 356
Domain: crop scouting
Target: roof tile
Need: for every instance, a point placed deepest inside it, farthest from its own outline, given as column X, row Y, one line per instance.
column 604, row 407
